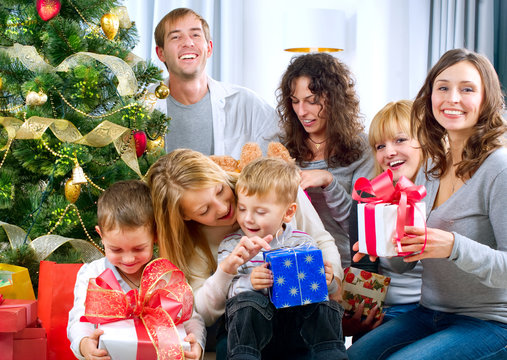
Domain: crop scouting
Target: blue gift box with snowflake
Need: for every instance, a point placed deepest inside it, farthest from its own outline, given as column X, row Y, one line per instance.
column 298, row 275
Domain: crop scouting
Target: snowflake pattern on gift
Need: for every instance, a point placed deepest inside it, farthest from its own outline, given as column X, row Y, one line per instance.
column 299, row 276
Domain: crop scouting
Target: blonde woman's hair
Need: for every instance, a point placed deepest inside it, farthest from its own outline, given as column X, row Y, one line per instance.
column 392, row 119
column 169, row 178
column 263, row 175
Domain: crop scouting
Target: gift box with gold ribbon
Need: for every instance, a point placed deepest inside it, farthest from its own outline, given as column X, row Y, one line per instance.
column 163, row 302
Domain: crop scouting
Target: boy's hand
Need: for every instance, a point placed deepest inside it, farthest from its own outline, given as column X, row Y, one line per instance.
column 246, row 249
column 89, row 347
column 328, row 268
column 195, row 348
column 261, row 277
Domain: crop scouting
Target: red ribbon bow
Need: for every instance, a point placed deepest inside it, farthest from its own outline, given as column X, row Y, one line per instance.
column 382, row 190
column 163, row 301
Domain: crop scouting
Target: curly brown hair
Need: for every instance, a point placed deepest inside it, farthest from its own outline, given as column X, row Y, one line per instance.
column 331, row 81
column 488, row 130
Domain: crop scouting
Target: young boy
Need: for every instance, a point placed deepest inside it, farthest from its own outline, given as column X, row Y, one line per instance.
column 266, row 191
column 127, row 227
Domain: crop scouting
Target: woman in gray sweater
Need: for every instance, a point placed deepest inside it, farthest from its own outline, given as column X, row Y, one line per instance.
column 462, row 312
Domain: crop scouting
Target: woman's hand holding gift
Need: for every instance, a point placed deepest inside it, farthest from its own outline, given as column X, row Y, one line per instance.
column 358, row 256
column 439, row 243
column 246, row 249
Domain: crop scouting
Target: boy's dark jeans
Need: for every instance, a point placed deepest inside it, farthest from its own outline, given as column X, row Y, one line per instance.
column 256, row 329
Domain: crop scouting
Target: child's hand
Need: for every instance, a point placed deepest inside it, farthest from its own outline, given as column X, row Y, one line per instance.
column 328, row 268
column 261, row 277
column 246, row 249
column 89, row 347
column 195, row 348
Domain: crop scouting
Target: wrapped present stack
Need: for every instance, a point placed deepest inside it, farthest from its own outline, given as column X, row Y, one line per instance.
column 299, row 276
column 364, row 286
column 20, row 336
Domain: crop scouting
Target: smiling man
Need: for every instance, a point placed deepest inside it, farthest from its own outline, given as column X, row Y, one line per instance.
column 207, row 115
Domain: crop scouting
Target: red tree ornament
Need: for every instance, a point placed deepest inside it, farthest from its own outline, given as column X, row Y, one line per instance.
column 48, row 9
column 140, row 140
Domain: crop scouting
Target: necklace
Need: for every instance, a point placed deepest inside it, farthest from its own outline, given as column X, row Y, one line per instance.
column 127, row 279
column 317, row 144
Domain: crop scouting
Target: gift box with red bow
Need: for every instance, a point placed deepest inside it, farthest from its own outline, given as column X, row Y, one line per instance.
column 383, row 215
column 148, row 318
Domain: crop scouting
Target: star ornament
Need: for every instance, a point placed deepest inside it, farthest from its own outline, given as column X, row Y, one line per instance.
column 309, row 259
column 287, row 263
column 301, row 276
column 293, row 291
column 314, row 286
column 280, row 280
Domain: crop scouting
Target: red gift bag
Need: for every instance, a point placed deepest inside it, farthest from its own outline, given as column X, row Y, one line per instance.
column 55, row 300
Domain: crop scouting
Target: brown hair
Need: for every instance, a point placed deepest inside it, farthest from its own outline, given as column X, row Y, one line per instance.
column 175, row 15
column 125, row 204
column 487, row 131
column 265, row 174
column 168, row 178
column 331, row 81
column 392, row 118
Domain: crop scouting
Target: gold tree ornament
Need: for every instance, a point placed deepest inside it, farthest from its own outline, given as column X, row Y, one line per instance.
column 78, row 176
column 35, row 99
column 162, row 91
column 1, row 83
column 72, row 191
column 153, row 145
column 110, row 24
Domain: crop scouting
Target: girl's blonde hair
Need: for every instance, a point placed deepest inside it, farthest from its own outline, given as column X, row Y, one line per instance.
column 169, row 178
column 388, row 123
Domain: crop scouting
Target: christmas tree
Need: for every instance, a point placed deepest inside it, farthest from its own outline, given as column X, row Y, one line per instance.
column 75, row 117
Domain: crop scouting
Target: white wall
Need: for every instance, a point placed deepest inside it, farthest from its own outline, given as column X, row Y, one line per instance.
column 386, row 43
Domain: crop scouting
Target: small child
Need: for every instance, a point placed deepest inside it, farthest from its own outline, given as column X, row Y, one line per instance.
column 127, row 227
column 266, row 191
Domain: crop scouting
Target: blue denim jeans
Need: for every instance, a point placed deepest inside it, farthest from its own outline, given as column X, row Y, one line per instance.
column 393, row 311
column 256, row 329
column 427, row 334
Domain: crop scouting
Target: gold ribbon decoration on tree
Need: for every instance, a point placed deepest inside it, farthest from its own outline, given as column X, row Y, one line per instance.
column 30, row 58
column 47, row 244
column 104, row 134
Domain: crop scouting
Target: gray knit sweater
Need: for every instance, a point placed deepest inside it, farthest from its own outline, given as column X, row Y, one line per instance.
column 473, row 280
column 333, row 202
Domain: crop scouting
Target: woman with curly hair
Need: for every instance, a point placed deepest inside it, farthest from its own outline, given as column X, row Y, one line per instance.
column 322, row 129
column 462, row 312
